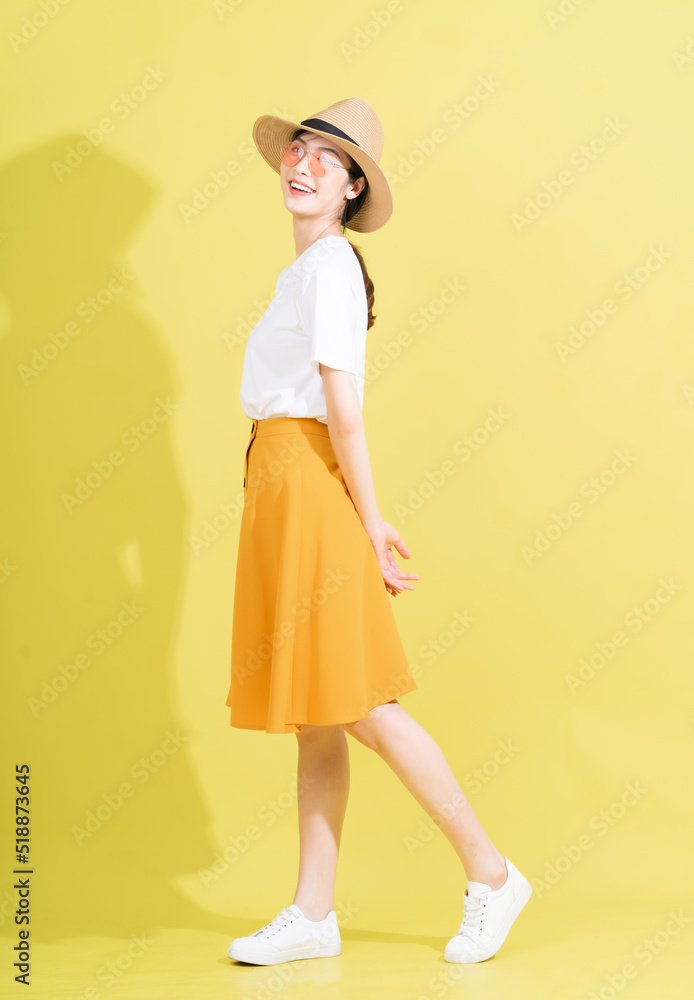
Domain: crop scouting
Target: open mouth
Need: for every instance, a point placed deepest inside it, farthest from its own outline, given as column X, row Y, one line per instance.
column 296, row 187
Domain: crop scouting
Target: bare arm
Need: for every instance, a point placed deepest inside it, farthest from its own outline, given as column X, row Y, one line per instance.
column 348, row 438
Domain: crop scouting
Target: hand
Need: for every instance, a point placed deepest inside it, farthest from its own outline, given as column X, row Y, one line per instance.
column 383, row 536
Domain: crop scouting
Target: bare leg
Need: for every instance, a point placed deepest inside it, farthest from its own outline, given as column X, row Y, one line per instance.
column 420, row 764
column 323, row 787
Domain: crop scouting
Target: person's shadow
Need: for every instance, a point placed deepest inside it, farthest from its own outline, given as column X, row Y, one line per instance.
column 94, row 570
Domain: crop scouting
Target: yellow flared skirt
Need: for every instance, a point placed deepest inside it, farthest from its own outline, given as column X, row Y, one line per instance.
column 314, row 638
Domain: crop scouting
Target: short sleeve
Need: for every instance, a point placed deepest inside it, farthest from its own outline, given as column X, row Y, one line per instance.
column 330, row 313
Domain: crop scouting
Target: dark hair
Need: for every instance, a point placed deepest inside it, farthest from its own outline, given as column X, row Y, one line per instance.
column 352, row 206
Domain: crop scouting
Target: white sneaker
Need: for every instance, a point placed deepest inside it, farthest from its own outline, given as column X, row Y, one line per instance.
column 289, row 936
column 487, row 917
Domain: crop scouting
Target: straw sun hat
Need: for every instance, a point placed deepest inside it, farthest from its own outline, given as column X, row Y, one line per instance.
column 354, row 126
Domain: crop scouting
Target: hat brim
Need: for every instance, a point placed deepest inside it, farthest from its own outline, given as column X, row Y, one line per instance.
column 270, row 131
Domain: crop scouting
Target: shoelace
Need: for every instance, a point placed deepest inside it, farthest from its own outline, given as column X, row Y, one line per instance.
column 473, row 911
column 283, row 919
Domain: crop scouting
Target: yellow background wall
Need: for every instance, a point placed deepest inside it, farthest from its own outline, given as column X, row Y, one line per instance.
column 538, row 267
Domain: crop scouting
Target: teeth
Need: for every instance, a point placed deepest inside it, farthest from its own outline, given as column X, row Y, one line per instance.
column 300, row 187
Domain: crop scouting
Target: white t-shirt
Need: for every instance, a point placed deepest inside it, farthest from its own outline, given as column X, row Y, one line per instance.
column 319, row 314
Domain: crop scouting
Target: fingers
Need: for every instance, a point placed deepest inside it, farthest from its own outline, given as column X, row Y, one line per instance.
column 390, row 583
column 394, row 587
column 395, row 580
column 402, row 549
column 396, row 569
column 392, row 577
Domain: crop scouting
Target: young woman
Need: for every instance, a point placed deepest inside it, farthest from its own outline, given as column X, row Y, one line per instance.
column 315, row 647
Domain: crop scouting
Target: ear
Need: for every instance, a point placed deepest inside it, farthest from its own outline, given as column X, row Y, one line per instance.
column 358, row 188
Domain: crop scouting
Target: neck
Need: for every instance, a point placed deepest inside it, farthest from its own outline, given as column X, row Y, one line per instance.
column 305, row 236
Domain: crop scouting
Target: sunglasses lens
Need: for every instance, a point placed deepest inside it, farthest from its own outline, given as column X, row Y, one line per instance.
column 292, row 152
column 317, row 168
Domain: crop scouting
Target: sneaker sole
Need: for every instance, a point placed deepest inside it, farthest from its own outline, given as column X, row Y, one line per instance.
column 240, row 954
column 526, row 893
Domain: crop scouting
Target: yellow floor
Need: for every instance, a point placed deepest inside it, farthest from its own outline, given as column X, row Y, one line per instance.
column 593, row 948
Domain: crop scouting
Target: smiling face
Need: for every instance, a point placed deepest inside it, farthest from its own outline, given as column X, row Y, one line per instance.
column 326, row 198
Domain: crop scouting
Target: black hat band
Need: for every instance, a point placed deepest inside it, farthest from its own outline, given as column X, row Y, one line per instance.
column 332, row 129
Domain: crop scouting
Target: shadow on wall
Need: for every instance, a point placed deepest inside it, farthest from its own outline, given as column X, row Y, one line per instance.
column 93, row 572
